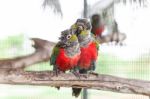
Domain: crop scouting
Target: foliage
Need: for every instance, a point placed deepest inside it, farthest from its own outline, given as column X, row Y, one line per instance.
column 12, row 41
column 11, row 46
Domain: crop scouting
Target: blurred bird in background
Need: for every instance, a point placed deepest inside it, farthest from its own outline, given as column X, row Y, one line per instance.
column 97, row 26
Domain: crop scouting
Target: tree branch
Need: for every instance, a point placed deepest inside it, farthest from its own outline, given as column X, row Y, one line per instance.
column 99, row 82
column 10, row 74
column 42, row 53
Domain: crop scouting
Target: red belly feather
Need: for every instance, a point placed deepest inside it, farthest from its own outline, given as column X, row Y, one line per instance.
column 98, row 31
column 65, row 63
column 88, row 54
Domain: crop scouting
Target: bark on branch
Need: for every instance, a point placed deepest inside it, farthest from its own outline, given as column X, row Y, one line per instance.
column 100, row 82
column 42, row 53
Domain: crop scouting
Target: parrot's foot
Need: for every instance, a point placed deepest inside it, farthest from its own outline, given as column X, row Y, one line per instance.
column 76, row 74
column 85, row 75
column 79, row 75
column 55, row 73
column 93, row 73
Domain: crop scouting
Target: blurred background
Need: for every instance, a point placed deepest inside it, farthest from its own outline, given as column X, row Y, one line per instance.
column 128, row 58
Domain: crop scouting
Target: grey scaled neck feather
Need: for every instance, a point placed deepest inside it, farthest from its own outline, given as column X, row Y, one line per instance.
column 84, row 42
column 72, row 50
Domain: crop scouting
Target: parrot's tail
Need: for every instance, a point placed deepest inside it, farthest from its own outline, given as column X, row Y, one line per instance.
column 58, row 88
column 76, row 91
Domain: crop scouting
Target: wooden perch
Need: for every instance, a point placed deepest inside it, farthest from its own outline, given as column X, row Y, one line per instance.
column 42, row 53
column 99, row 82
column 10, row 74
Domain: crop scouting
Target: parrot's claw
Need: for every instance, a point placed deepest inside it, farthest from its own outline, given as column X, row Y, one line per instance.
column 93, row 73
column 55, row 73
column 76, row 74
column 85, row 76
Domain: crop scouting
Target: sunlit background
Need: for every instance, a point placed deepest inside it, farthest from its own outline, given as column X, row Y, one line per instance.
column 23, row 19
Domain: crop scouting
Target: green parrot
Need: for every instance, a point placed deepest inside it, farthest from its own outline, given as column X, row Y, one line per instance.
column 88, row 46
column 66, row 53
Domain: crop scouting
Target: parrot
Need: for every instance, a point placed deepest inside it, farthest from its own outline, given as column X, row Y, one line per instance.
column 66, row 53
column 88, row 46
column 97, row 26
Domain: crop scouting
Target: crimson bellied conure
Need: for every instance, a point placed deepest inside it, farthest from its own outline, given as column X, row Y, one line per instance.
column 97, row 26
column 66, row 53
column 88, row 46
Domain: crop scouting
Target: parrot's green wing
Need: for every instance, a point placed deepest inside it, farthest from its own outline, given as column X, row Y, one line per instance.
column 96, row 41
column 97, row 44
column 54, row 55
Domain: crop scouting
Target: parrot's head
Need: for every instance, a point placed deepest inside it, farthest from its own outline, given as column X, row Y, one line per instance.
column 68, row 38
column 81, row 25
column 96, row 19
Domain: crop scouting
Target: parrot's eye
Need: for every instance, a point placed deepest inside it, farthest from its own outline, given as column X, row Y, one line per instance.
column 68, row 36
